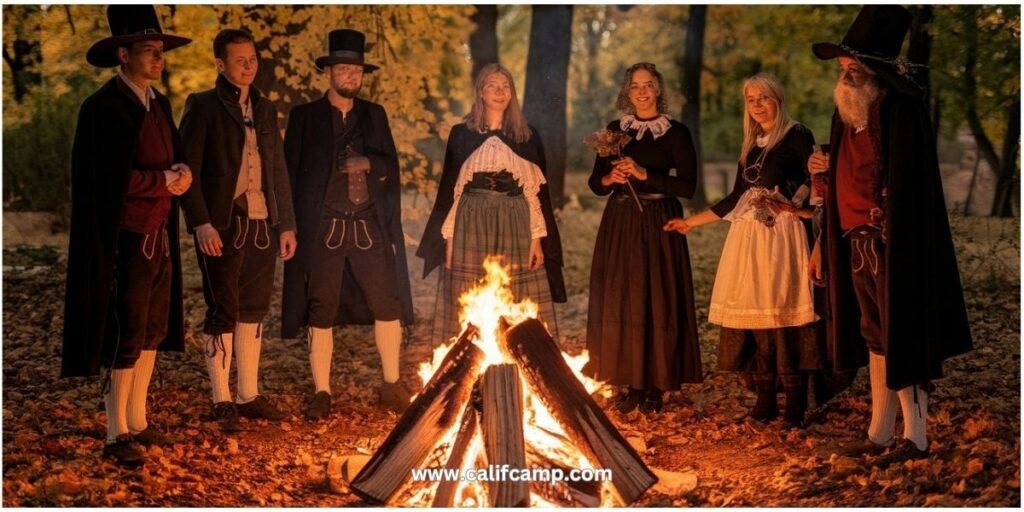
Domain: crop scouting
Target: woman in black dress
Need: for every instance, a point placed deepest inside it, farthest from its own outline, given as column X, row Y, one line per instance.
column 763, row 298
column 641, row 328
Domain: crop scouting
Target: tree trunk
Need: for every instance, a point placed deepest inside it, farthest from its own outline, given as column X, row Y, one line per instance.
column 692, row 64
column 547, row 74
column 483, row 41
column 592, row 36
column 1005, row 187
column 27, row 53
column 970, row 88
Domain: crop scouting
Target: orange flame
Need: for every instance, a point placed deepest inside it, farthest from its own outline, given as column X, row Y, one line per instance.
column 484, row 306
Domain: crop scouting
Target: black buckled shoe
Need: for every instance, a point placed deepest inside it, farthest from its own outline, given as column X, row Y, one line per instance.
column 225, row 414
column 652, row 402
column 150, row 436
column 629, row 401
column 125, row 452
column 260, row 408
column 902, row 451
column 319, row 406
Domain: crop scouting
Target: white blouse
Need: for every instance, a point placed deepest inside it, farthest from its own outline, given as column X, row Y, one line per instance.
column 493, row 156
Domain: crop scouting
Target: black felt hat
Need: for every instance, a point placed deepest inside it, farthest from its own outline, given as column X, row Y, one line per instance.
column 128, row 24
column 875, row 39
column 878, row 31
column 346, row 46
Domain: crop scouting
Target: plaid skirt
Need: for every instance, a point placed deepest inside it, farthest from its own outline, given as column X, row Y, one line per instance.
column 489, row 223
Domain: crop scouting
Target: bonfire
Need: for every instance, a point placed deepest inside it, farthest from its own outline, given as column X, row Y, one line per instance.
column 503, row 395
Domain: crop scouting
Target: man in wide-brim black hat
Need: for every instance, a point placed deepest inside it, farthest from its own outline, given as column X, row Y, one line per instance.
column 123, row 300
column 350, row 267
column 896, row 303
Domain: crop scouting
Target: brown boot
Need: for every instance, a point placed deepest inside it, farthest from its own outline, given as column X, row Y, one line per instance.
column 795, row 386
column 394, row 396
column 767, row 407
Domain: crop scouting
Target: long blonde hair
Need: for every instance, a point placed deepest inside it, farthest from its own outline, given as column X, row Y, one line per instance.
column 751, row 128
column 513, row 123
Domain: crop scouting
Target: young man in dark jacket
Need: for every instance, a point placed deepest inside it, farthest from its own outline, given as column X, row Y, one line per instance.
column 123, row 298
column 240, row 211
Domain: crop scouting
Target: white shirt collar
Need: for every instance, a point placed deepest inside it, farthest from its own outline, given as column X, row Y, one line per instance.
column 144, row 95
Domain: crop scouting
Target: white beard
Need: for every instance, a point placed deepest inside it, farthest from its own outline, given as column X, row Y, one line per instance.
column 854, row 103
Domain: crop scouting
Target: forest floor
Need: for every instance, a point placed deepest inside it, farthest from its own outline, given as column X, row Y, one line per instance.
column 53, row 428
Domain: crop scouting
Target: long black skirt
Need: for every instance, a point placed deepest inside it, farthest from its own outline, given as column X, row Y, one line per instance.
column 641, row 326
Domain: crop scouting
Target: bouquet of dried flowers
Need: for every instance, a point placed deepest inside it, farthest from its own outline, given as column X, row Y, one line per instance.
column 610, row 142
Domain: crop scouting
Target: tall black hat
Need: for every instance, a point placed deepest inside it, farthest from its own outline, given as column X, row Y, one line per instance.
column 346, row 46
column 128, row 24
column 875, row 39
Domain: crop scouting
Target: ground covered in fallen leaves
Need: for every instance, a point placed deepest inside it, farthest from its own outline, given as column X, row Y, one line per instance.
column 53, row 429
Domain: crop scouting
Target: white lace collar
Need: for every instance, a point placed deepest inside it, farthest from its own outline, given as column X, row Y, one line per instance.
column 656, row 126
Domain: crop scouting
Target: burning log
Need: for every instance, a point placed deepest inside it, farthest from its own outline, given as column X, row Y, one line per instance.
column 502, row 418
column 580, row 417
column 444, row 497
column 431, row 415
column 563, row 493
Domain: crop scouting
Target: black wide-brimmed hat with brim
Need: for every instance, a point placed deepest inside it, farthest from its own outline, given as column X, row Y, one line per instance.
column 346, row 46
column 875, row 39
column 129, row 24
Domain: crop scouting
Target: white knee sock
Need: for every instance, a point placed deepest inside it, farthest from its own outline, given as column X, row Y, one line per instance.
column 389, row 344
column 321, row 348
column 247, row 355
column 915, row 415
column 116, row 401
column 218, row 363
column 884, row 403
column 140, row 389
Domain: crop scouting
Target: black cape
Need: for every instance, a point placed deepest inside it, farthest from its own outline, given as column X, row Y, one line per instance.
column 924, row 318
column 101, row 161
column 462, row 142
column 309, row 153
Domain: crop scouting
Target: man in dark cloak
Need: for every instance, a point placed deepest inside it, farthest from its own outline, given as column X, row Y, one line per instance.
column 895, row 297
column 123, row 298
column 350, row 267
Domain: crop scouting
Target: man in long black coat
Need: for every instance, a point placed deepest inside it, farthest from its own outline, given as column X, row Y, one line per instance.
column 123, row 297
column 895, row 296
column 350, row 267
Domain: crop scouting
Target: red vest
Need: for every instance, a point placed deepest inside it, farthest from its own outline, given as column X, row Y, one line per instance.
column 148, row 201
column 858, row 179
